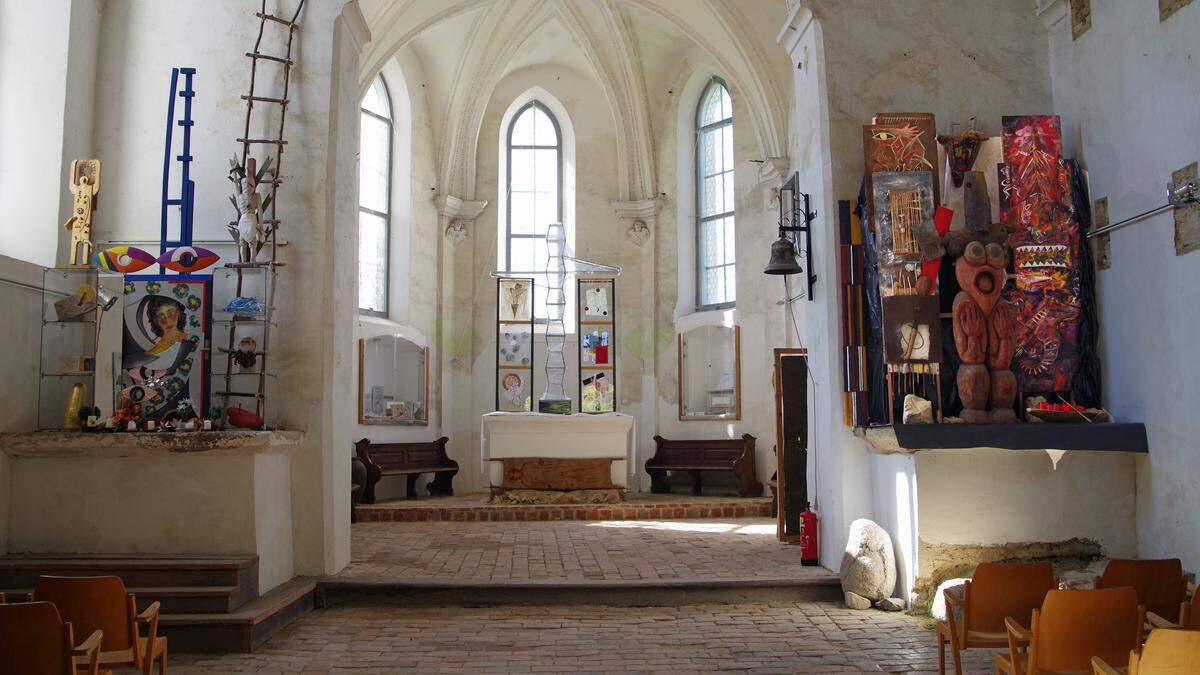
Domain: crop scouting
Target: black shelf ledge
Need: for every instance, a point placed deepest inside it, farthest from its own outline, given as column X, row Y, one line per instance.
column 1099, row 436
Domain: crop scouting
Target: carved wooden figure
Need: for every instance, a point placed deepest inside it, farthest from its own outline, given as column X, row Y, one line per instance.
column 983, row 333
column 249, row 205
column 85, row 185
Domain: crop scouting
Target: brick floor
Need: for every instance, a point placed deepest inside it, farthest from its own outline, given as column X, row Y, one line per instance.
column 574, row 550
column 769, row 638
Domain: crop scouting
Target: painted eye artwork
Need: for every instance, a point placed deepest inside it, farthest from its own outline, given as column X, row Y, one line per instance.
column 125, row 259
column 188, row 259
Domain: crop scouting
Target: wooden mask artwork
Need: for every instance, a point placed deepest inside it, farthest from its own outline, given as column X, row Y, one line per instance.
column 962, row 149
column 983, row 333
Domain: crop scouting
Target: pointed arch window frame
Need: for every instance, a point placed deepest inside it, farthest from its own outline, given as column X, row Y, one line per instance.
column 508, row 176
column 701, row 130
column 389, row 120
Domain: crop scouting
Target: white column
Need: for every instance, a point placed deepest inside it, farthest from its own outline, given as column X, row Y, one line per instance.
column 454, row 343
column 638, row 334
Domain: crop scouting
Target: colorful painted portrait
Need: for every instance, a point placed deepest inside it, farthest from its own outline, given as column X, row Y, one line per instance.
column 513, row 393
column 164, row 358
column 598, row 393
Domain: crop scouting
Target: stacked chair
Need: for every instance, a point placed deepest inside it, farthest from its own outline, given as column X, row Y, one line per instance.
column 1071, row 628
column 1168, row 651
column 996, row 591
column 1017, row 607
column 38, row 642
column 99, row 607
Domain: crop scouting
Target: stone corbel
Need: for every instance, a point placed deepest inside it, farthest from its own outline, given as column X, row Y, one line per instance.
column 458, row 215
column 639, row 217
column 1052, row 12
column 771, row 174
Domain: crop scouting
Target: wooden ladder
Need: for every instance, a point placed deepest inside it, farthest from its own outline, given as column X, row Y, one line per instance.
column 271, row 219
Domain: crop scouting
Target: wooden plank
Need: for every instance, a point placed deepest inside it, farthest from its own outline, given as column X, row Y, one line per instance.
column 543, row 473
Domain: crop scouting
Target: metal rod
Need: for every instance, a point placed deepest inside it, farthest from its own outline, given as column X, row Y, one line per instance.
column 22, row 284
column 1129, row 221
column 1177, row 195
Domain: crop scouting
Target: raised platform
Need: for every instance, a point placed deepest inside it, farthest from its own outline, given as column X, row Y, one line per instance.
column 636, row 506
column 1096, row 437
column 208, row 604
column 820, row 585
column 59, row 444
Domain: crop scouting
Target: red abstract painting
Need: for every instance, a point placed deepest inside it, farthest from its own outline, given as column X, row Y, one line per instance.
column 1035, row 206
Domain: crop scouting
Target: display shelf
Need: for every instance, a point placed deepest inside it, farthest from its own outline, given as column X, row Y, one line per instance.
column 595, row 324
column 516, row 337
column 1096, row 437
column 72, row 306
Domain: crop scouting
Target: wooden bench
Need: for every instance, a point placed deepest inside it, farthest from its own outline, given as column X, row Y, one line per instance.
column 734, row 454
column 410, row 460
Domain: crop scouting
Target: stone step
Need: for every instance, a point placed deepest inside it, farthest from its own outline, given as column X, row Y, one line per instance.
column 173, row 599
column 820, row 585
column 22, row 570
column 408, row 512
column 244, row 629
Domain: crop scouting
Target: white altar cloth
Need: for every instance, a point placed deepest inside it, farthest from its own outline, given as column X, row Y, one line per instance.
column 579, row 436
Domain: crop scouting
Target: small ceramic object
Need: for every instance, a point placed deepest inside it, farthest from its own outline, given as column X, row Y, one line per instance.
column 131, row 426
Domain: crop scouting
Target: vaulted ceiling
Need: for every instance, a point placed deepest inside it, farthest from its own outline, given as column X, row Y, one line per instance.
column 630, row 47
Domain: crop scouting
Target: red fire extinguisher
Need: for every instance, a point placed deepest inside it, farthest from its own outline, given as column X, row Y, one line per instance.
column 810, row 552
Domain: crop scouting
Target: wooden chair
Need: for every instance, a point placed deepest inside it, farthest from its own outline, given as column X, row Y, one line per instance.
column 975, row 620
column 1072, row 627
column 102, row 604
column 34, row 640
column 1166, row 652
column 1189, row 615
column 1160, row 584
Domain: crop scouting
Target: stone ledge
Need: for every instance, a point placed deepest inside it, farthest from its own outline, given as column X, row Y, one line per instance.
column 1097, row 437
column 66, row 444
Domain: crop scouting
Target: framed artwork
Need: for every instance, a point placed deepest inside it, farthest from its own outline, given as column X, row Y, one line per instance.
column 514, row 344
column 912, row 330
column 393, row 381
column 710, row 373
column 165, row 345
column 596, row 319
column 515, row 301
column 899, row 142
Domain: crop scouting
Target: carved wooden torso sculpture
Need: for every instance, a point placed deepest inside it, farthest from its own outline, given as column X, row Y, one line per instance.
column 983, row 333
column 85, row 185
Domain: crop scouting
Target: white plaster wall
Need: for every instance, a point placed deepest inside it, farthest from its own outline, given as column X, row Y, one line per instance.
column 989, row 496
column 273, row 538
column 1126, row 91
column 184, row 506
column 33, row 93
column 414, row 246
column 763, row 324
column 894, row 486
column 143, row 40
column 19, row 368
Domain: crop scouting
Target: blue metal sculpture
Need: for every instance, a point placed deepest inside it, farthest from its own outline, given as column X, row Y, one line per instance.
column 187, row 188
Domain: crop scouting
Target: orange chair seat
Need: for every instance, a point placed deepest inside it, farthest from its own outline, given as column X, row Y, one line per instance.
column 1003, row 665
column 123, row 658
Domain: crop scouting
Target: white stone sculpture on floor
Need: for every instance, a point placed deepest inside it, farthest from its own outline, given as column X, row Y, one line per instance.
column 869, row 568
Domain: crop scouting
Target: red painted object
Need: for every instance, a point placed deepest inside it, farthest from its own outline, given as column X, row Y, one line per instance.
column 243, row 419
column 810, row 552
